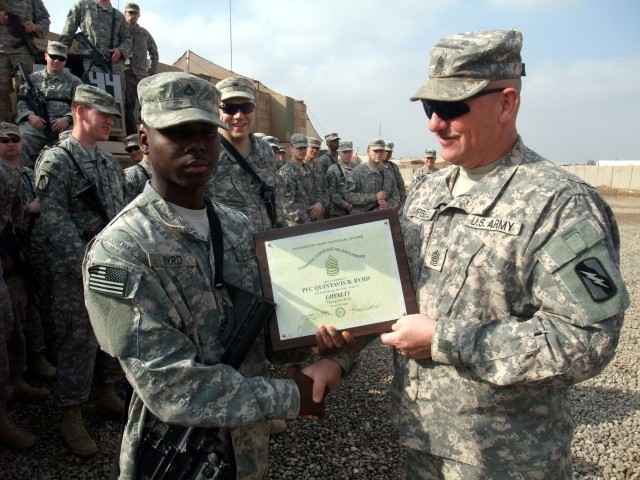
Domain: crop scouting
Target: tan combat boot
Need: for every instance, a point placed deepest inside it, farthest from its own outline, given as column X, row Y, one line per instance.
column 107, row 399
column 75, row 435
column 29, row 393
column 41, row 367
column 12, row 436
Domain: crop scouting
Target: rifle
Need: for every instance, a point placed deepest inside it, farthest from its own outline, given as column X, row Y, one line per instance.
column 16, row 29
column 98, row 58
column 36, row 101
column 174, row 452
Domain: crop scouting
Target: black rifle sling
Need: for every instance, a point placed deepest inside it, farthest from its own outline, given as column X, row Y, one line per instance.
column 113, row 27
column 216, row 243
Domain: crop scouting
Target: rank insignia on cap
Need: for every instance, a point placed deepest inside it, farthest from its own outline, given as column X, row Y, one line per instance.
column 189, row 90
column 596, row 280
column 43, row 183
column 109, row 280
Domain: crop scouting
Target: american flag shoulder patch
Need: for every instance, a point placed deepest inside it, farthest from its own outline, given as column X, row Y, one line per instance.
column 109, row 280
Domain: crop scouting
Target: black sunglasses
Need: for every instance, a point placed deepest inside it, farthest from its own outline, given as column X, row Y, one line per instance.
column 12, row 140
column 232, row 108
column 131, row 149
column 58, row 58
column 450, row 110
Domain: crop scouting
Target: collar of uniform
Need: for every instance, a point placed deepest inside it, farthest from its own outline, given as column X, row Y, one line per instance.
column 487, row 190
column 167, row 215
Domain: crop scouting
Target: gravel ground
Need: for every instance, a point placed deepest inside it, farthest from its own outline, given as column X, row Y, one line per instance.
column 356, row 440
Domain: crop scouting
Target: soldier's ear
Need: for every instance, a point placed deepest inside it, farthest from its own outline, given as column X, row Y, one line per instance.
column 143, row 140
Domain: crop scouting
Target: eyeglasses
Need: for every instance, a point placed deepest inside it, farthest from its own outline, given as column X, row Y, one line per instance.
column 57, row 58
column 232, row 108
column 450, row 110
column 133, row 13
column 12, row 140
column 131, row 149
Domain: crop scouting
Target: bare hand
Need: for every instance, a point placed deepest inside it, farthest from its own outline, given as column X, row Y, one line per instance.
column 326, row 375
column 34, row 206
column 316, row 211
column 330, row 341
column 115, row 55
column 381, row 195
column 383, row 204
column 411, row 336
column 59, row 124
column 309, row 406
column 4, row 20
column 37, row 122
column 29, row 26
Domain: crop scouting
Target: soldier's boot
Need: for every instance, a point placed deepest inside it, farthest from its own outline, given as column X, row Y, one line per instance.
column 12, row 436
column 276, row 427
column 41, row 367
column 29, row 393
column 107, row 399
column 75, row 435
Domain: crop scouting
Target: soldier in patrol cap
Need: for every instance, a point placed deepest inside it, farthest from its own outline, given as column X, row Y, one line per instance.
column 515, row 265
column 57, row 87
column 336, row 177
column 395, row 169
column 81, row 187
column 302, row 197
column 331, row 157
column 159, row 255
column 371, row 186
column 136, row 175
column 428, row 168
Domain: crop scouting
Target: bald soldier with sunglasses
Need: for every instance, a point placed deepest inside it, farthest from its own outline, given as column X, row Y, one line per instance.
column 515, row 266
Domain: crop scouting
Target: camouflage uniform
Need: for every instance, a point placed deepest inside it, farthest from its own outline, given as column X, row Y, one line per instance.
column 300, row 190
column 11, row 52
column 231, row 185
column 58, row 91
column 395, row 170
column 69, row 222
column 522, row 276
column 95, row 20
column 362, row 184
column 325, row 161
column 420, row 173
column 168, row 321
column 136, row 177
column 135, row 69
column 335, row 179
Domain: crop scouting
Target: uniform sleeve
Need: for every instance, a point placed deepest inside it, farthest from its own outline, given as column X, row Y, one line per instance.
column 71, row 24
column 394, row 195
column 153, row 56
column 352, row 193
column 578, row 303
column 125, row 41
column 292, row 214
column 41, row 19
column 335, row 188
column 139, row 323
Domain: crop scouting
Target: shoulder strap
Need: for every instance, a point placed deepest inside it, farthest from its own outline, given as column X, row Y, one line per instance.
column 73, row 160
column 113, row 27
column 216, row 240
column 143, row 170
column 240, row 159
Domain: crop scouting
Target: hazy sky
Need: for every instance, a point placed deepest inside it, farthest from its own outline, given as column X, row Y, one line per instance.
column 355, row 63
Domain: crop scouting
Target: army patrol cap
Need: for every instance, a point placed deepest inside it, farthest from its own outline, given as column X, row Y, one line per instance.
column 174, row 98
column 56, row 48
column 463, row 64
column 345, row 146
column 388, row 146
column 282, row 150
column 10, row 129
column 132, row 7
column 131, row 141
column 98, row 99
column 376, row 144
column 314, row 142
column 299, row 140
column 331, row 136
column 272, row 141
column 2, row 134
column 430, row 153
column 236, row 87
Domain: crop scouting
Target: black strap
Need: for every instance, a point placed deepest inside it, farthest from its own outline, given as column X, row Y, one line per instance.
column 216, row 242
column 341, row 172
column 74, row 161
column 113, row 27
column 240, row 159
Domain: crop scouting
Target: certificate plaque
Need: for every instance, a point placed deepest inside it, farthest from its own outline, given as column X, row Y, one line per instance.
column 349, row 272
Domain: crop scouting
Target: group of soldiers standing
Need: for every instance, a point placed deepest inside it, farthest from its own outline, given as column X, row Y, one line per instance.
column 57, row 191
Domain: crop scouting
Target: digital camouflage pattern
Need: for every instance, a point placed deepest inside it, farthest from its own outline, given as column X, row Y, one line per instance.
column 300, row 190
column 362, row 184
column 95, row 21
column 231, row 185
column 12, row 50
column 463, row 64
column 325, row 161
column 522, row 276
column 165, row 325
column 142, row 43
column 136, row 177
column 395, row 171
column 335, row 178
column 421, row 173
column 58, row 91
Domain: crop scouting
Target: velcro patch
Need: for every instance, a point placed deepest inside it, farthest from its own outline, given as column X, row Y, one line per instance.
column 109, row 280
column 434, row 257
column 503, row 225
column 421, row 213
column 43, row 183
column 171, row 260
column 595, row 278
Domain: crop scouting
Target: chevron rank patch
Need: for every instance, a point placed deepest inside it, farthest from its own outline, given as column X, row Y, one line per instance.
column 109, row 280
column 596, row 280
